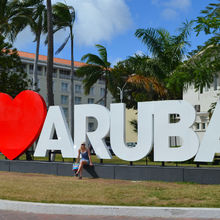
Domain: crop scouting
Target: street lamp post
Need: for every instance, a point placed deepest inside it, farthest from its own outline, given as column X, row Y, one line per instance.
column 121, row 91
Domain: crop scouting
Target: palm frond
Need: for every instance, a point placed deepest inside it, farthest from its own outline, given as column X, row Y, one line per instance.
column 91, row 74
column 147, row 83
column 151, row 38
column 64, row 15
column 83, row 71
column 93, row 59
column 102, row 52
column 62, row 45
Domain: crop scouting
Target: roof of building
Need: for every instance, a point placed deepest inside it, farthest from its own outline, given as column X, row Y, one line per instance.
column 44, row 58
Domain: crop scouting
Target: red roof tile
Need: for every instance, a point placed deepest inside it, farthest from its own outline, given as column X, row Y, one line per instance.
column 44, row 58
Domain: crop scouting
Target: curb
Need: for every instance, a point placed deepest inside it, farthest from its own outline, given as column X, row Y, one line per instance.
column 165, row 212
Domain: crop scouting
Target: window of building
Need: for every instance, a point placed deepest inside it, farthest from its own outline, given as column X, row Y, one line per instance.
column 197, row 126
column 38, row 84
column 54, row 85
column 91, row 126
column 90, row 101
column 64, row 74
column 64, row 87
column 54, row 73
column 215, row 83
column 91, row 91
column 78, row 89
column 197, row 108
column 78, row 100
column 65, row 110
column 102, row 102
column 64, row 99
column 102, row 92
column 201, row 90
column 39, row 70
column 101, row 81
column 203, row 125
column 24, row 67
column 31, row 68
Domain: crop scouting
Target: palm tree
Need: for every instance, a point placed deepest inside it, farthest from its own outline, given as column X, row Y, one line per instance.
column 35, row 14
column 50, row 95
column 165, row 47
column 15, row 15
column 64, row 17
column 10, row 24
column 98, row 68
column 136, row 81
column 168, row 51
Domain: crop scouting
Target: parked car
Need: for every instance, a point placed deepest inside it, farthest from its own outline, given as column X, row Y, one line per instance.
column 131, row 144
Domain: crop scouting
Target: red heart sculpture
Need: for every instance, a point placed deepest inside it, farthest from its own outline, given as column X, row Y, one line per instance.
column 21, row 121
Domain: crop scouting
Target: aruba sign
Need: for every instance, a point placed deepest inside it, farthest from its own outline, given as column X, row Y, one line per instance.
column 25, row 118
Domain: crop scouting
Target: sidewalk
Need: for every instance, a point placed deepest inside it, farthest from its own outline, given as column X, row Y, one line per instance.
column 117, row 211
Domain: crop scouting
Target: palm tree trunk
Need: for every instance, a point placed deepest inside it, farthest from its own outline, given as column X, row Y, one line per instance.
column 106, row 90
column 35, row 78
column 50, row 55
column 50, row 96
column 71, row 115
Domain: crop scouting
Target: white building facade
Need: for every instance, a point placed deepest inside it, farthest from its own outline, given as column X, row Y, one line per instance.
column 202, row 101
column 61, row 84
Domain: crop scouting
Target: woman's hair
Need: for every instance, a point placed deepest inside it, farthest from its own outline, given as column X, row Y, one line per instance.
column 83, row 144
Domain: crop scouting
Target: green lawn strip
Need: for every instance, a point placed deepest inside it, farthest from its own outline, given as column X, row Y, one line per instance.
column 70, row 190
column 116, row 160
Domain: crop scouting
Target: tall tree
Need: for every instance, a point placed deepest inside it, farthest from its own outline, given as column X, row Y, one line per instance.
column 135, row 78
column 202, row 66
column 50, row 95
column 98, row 68
column 64, row 17
column 13, row 79
column 35, row 14
column 167, row 50
column 210, row 21
column 10, row 23
column 203, row 63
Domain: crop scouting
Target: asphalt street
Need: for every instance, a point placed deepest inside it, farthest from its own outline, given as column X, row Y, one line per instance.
column 15, row 215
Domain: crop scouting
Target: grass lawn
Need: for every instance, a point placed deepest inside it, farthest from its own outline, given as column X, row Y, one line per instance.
column 70, row 190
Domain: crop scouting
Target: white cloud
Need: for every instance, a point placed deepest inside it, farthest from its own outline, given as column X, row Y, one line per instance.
column 155, row 2
column 100, row 20
column 172, row 8
column 169, row 14
column 115, row 61
column 139, row 53
column 178, row 4
column 96, row 20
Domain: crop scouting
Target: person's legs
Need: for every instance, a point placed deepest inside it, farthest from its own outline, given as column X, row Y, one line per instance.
column 82, row 163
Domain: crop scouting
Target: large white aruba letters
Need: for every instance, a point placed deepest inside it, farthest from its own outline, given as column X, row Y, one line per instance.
column 96, row 138
column 154, row 128
column 163, row 129
column 55, row 120
column 145, row 132
column 211, row 140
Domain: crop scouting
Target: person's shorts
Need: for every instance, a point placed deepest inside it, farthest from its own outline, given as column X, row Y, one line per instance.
column 84, row 160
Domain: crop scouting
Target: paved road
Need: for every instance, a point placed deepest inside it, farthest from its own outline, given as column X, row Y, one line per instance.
column 15, row 215
column 35, row 211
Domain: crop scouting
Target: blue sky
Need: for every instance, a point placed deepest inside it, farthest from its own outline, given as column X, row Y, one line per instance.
column 113, row 23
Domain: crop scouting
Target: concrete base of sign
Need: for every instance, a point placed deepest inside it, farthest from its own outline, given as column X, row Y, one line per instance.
column 124, row 172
